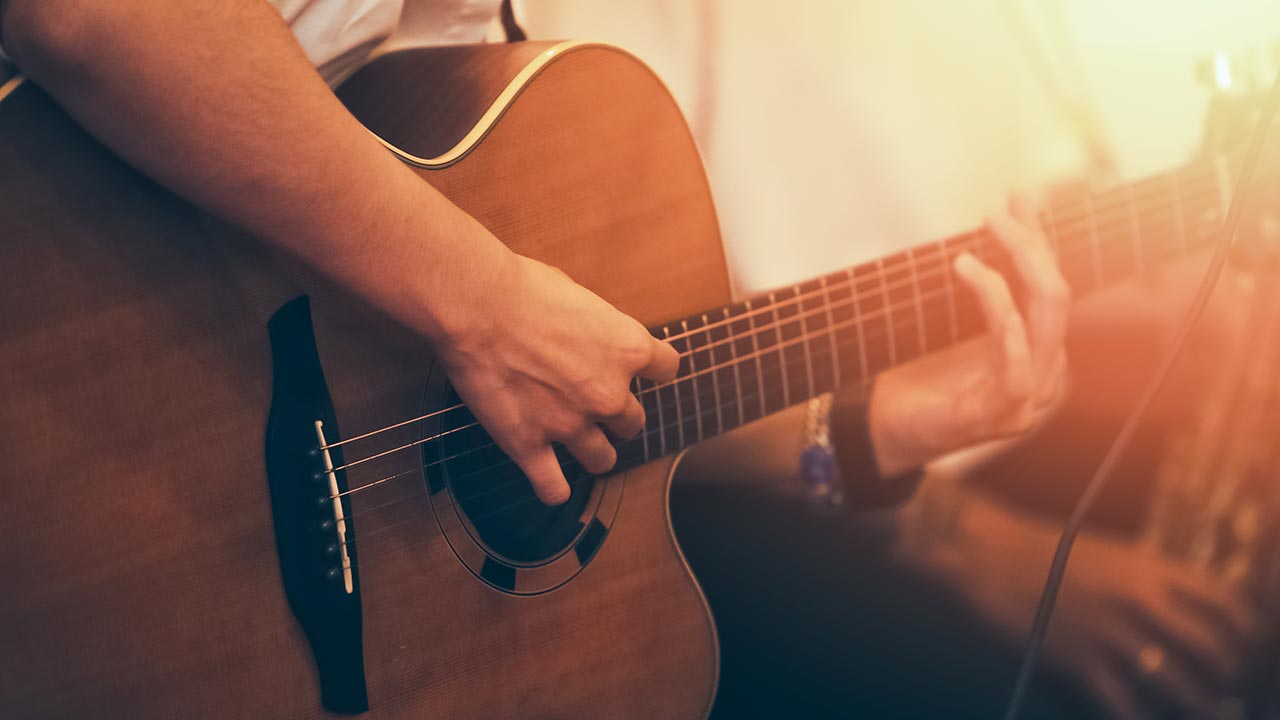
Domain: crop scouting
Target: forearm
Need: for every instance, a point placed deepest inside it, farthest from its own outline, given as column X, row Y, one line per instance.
column 218, row 102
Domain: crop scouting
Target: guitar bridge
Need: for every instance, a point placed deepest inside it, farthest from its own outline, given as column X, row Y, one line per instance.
column 314, row 532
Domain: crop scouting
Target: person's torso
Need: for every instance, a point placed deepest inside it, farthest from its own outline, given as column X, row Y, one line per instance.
column 340, row 35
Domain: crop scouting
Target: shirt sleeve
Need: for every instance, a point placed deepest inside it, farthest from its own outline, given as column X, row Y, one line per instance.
column 864, row 486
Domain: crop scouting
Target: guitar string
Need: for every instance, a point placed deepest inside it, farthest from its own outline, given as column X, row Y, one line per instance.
column 639, row 437
column 422, row 512
column 775, row 327
column 976, row 238
column 702, row 393
column 1202, row 172
column 779, row 329
column 428, row 511
column 703, row 329
column 940, row 248
column 678, row 422
column 785, row 376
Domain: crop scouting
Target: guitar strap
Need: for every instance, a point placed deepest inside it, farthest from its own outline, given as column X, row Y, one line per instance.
column 510, row 26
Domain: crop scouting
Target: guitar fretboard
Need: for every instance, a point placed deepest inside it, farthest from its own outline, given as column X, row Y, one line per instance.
column 756, row 357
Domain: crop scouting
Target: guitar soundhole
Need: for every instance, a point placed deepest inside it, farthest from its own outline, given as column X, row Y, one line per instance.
column 493, row 494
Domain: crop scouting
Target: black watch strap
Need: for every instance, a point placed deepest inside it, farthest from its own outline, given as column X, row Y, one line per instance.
column 865, row 488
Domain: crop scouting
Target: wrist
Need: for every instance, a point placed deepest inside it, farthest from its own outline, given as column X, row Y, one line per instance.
column 435, row 268
column 468, row 308
column 910, row 428
column 894, row 449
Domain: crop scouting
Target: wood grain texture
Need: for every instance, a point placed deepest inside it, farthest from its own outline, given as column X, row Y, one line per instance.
column 458, row 83
column 141, row 578
column 597, row 172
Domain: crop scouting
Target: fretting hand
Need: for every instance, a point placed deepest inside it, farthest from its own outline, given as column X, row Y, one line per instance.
column 546, row 360
column 989, row 387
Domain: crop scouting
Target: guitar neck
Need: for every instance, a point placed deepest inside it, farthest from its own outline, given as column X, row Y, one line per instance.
column 753, row 358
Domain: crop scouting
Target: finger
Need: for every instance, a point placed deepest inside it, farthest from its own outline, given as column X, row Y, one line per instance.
column 1051, row 387
column 664, row 363
column 1004, row 324
column 1048, row 297
column 1025, row 207
column 989, row 287
column 628, row 423
column 545, row 475
column 593, row 450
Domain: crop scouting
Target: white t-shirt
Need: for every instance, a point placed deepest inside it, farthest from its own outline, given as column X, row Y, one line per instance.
column 340, row 35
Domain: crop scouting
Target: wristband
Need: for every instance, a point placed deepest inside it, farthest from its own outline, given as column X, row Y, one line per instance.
column 864, row 486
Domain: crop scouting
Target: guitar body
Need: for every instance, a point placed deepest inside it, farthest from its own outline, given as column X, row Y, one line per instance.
column 141, row 576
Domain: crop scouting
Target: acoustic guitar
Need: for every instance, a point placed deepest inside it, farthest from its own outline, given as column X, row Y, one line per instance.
column 231, row 490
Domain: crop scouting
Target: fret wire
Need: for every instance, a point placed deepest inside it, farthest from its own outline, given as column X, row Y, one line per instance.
column 705, row 411
column 969, row 237
column 715, row 380
column 737, row 376
column 826, row 375
column 1165, row 204
column 1113, row 199
column 693, row 368
column 755, row 350
column 862, row 342
column 931, row 283
column 743, row 349
column 808, row 357
column 915, row 287
column 849, row 273
column 857, row 317
column 859, row 322
column 782, row 358
column 686, row 383
column 1179, row 219
column 617, row 445
column 952, row 318
column 662, row 436
column 507, row 462
column 893, row 340
column 831, row 333
column 721, row 354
